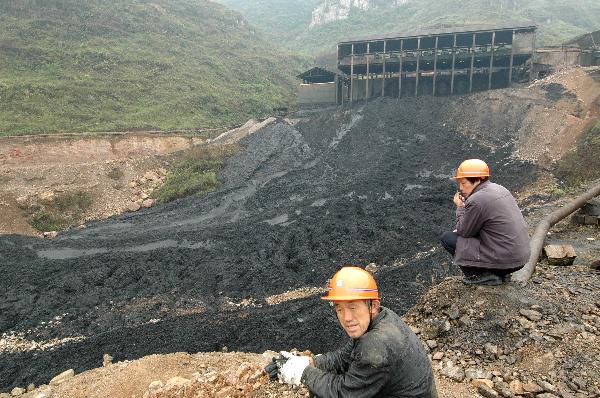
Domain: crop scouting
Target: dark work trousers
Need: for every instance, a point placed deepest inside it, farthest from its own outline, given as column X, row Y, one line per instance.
column 449, row 241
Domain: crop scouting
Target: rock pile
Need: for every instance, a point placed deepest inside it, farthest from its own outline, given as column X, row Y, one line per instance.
column 510, row 342
column 240, row 382
column 142, row 187
column 179, row 375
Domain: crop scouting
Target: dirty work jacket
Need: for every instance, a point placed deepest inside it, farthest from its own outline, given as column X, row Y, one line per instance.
column 387, row 361
column 491, row 230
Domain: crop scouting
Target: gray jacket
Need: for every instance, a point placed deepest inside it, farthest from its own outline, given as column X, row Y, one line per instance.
column 491, row 230
column 387, row 361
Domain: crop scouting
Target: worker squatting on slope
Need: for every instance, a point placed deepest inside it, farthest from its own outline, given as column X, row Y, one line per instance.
column 490, row 238
column 383, row 358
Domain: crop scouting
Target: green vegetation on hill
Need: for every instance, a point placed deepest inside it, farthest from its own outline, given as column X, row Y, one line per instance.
column 557, row 21
column 65, row 210
column 105, row 65
column 195, row 173
column 280, row 20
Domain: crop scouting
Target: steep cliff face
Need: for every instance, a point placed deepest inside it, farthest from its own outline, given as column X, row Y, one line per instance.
column 335, row 10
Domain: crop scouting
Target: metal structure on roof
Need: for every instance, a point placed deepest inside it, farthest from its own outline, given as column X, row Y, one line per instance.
column 442, row 31
column 318, row 75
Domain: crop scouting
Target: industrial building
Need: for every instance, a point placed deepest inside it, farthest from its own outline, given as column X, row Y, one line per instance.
column 589, row 45
column 321, row 87
column 583, row 50
column 433, row 62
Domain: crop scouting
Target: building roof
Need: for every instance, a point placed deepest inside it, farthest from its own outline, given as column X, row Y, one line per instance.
column 587, row 40
column 318, row 75
column 441, row 31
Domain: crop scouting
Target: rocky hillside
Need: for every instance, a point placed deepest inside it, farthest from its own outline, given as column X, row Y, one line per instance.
column 329, row 21
column 337, row 10
column 68, row 65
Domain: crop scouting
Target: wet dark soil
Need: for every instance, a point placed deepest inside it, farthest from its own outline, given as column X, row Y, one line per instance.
column 355, row 186
column 556, row 91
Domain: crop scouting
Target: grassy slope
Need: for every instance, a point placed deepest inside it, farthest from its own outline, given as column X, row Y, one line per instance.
column 558, row 20
column 97, row 65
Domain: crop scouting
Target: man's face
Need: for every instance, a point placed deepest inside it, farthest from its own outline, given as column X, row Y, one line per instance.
column 354, row 316
column 466, row 187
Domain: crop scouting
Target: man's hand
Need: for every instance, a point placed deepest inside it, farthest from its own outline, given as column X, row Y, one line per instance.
column 292, row 369
column 272, row 369
column 458, row 200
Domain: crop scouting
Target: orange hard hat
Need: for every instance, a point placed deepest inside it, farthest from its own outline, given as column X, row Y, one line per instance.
column 472, row 168
column 352, row 283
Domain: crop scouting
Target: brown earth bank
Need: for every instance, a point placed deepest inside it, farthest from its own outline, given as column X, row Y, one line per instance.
column 117, row 171
column 35, row 170
column 242, row 267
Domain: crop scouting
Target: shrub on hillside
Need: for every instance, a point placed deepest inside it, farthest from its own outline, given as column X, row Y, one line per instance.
column 65, row 210
column 195, row 174
column 186, row 182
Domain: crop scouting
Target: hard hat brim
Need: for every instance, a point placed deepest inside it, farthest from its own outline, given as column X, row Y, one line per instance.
column 348, row 298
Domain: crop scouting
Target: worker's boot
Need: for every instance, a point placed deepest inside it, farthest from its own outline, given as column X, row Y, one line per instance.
column 485, row 278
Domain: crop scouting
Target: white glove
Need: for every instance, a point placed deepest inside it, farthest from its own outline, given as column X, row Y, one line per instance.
column 292, row 369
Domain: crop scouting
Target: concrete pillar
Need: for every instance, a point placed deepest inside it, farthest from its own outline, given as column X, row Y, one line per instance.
column 400, row 69
column 453, row 66
column 337, row 89
column 512, row 56
column 532, row 56
column 383, row 76
column 367, row 81
column 491, row 61
column 472, row 65
column 435, row 64
column 417, row 70
column 352, row 75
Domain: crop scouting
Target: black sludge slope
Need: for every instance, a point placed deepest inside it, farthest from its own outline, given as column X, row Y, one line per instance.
column 364, row 185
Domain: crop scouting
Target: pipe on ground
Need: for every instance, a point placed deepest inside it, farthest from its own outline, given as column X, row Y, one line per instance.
column 539, row 236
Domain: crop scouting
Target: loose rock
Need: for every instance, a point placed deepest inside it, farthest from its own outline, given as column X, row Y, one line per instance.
column 478, row 374
column 17, row 391
column 148, row 203
column 67, row 374
column 107, row 360
column 487, row 391
column 560, row 254
column 531, row 315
